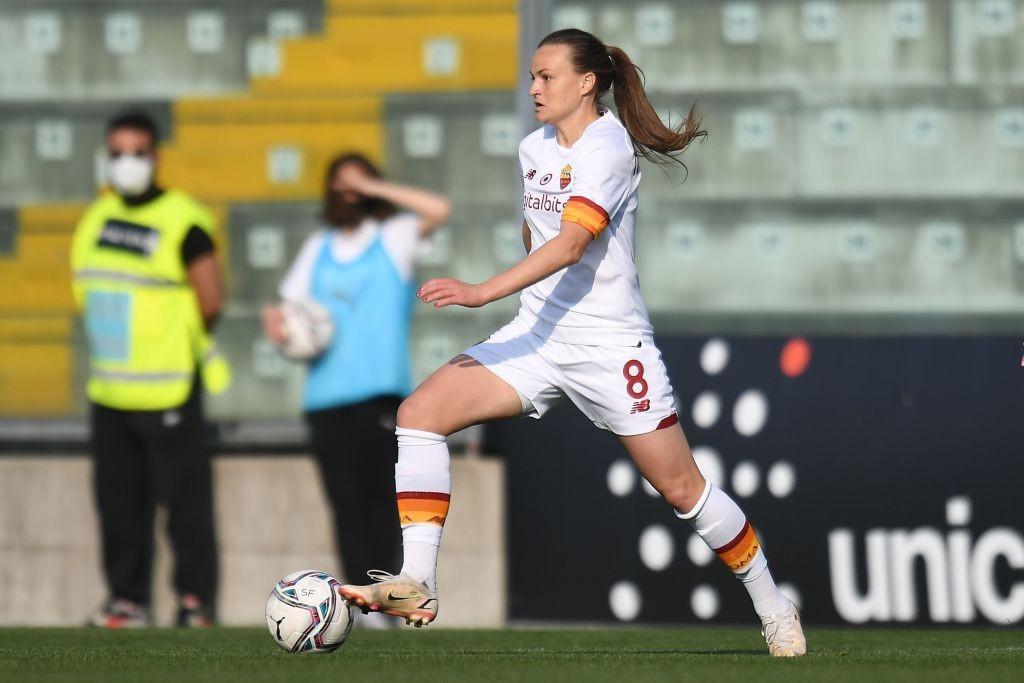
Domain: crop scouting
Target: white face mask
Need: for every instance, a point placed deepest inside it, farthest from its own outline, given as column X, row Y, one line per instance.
column 130, row 175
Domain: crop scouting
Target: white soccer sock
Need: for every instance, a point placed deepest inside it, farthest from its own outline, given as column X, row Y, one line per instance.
column 423, row 482
column 722, row 525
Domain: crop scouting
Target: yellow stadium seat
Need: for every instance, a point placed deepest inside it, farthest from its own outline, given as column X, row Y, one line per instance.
column 245, row 109
column 35, row 378
column 354, row 59
column 49, row 217
column 231, row 170
column 419, row 6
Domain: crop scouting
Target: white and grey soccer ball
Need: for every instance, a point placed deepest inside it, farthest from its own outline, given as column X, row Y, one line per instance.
column 305, row 613
column 308, row 329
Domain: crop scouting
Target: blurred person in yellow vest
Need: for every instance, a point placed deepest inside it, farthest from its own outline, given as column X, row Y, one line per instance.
column 148, row 283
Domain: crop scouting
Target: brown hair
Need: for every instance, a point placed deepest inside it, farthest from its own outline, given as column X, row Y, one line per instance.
column 652, row 139
column 368, row 206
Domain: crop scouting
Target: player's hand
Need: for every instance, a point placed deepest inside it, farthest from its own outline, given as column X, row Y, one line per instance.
column 450, row 292
column 354, row 179
column 272, row 318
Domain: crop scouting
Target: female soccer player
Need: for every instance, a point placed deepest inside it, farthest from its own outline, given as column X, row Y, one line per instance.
column 582, row 331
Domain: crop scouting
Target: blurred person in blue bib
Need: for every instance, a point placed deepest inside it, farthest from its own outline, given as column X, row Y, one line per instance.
column 147, row 280
column 359, row 267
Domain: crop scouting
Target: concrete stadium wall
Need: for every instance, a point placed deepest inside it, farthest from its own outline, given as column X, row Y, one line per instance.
column 272, row 519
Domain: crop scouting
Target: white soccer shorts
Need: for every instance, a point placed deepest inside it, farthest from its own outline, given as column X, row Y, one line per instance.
column 623, row 389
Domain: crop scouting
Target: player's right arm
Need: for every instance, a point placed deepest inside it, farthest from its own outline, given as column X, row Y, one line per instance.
column 527, row 242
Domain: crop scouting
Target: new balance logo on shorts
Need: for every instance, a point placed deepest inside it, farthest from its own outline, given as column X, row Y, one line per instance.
column 641, row 406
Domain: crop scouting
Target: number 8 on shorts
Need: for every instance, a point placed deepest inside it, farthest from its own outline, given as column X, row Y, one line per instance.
column 636, row 385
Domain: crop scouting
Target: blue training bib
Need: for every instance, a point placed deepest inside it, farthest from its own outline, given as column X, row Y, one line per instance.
column 371, row 306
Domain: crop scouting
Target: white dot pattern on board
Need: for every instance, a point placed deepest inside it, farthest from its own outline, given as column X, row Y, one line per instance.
column 746, row 478
column 621, row 478
column 656, row 547
column 750, row 412
column 706, row 409
column 704, row 601
column 714, row 356
column 781, row 479
column 625, row 600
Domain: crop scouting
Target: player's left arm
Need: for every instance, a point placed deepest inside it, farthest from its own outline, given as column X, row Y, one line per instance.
column 202, row 268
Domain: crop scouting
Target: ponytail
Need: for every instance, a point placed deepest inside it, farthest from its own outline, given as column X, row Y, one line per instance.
column 652, row 139
column 613, row 69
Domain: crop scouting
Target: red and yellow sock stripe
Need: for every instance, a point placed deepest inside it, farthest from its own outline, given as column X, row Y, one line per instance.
column 586, row 214
column 740, row 551
column 423, row 507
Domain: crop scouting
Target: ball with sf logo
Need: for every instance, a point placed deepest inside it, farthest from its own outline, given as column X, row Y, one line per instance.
column 306, row 613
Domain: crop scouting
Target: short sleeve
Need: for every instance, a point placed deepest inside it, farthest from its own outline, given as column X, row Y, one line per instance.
column 602, row 179
column 197, row 243
column 297, row 284
column 203, row 219
column 401, row 237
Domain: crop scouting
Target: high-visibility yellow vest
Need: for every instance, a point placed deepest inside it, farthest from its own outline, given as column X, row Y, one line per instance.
column 142, row 319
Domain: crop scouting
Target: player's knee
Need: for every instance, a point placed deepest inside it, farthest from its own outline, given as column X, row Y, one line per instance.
column 413, row 414
column 684, row 492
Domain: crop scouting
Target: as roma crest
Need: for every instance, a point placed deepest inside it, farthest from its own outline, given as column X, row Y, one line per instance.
column 565, row 178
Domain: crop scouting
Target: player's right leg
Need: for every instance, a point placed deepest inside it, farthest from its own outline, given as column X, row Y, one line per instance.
column 461, row 393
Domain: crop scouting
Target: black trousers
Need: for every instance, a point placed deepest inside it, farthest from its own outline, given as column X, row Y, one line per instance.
column 356, row 450
column 141, row 458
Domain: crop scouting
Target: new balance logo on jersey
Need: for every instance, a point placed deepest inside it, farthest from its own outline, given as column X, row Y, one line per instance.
column 641, row 406
column 530, row 174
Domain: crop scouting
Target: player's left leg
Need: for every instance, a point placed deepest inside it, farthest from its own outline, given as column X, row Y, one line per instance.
column 626, row 390
column 663, row 456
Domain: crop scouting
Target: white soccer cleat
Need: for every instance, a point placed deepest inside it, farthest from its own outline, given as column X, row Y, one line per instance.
column 784, row 634
column 400, row 596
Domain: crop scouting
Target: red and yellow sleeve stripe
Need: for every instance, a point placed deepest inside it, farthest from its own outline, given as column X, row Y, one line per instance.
column 423, row 507
column 740, row 551
column 585, row 213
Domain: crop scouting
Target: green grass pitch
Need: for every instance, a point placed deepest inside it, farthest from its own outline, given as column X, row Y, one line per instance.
column 624, row 655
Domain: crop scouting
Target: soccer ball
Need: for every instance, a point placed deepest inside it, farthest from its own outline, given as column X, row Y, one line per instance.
column 305, row 613
column 308, row 329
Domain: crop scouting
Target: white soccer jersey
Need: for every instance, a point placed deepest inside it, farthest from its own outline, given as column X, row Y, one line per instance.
column 593, row 184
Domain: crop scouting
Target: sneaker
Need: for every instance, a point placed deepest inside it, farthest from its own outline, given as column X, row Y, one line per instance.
column 400, row 596
column 192, row 613
column 784, row 634
column 118, row 613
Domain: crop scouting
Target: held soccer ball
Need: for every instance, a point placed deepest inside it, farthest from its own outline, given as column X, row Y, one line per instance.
column 308, row 329
column 305, row 613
